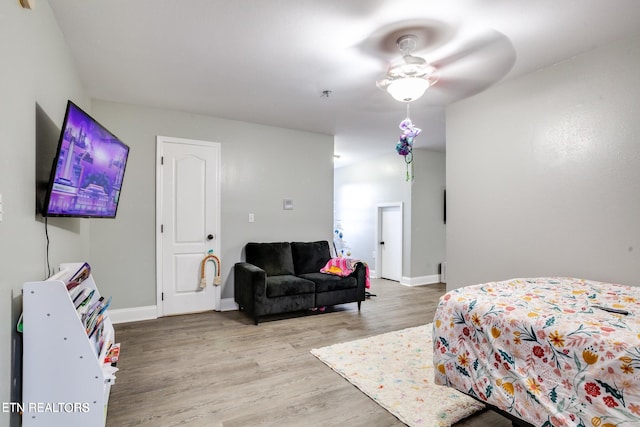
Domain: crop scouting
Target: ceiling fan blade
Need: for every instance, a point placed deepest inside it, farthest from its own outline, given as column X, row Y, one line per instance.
column 446, row 91
column 488, row 46
column 472, row 66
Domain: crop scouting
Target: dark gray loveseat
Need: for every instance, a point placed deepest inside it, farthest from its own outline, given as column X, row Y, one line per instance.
column 283, row 277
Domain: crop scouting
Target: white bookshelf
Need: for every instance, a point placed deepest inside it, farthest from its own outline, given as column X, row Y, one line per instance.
column 65, row 383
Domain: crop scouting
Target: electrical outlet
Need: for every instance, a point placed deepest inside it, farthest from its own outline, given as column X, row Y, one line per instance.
column 251, row 217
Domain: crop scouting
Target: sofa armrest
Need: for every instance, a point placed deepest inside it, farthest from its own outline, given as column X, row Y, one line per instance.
column 360, row 273
column 250, row 277
column 249, row 280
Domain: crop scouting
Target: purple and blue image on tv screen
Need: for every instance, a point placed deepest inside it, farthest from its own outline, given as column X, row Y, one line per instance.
column 89, row 169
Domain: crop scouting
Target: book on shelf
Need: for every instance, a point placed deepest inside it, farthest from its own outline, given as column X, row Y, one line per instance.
column 100, row 338
column 104, row 343
column 92, row 312
column 83, row 303
column 95, row 315
column 79, row 276
column 105, row 306
column 92, row 309
column 78, row 295
column 93, row 326
column 113, row 354
column 72, row 286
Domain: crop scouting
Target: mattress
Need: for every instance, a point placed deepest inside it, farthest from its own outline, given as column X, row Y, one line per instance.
column 549, row 351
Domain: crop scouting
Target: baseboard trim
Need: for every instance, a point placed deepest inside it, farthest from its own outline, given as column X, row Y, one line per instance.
column 150, row 312
column 413, row 281
column 228, row 304
column 133, row 314
column 421, row 280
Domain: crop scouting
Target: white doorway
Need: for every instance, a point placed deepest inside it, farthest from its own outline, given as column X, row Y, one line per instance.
column 389, row 241
column 187, row 224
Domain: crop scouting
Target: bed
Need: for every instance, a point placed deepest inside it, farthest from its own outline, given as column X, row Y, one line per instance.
column 548, row 351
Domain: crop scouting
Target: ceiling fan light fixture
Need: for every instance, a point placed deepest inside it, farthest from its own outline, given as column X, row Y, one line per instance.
column 407, row 89
column 408, row 78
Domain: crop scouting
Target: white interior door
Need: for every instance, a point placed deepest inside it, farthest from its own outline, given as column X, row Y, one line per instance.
column 390, row 242
column 188, row 198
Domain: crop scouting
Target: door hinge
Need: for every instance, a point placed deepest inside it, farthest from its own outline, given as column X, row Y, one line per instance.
column 162, row 296
column 162, row 228
column 161, row 160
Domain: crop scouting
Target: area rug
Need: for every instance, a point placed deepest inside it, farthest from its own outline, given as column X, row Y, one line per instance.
column 396, row 370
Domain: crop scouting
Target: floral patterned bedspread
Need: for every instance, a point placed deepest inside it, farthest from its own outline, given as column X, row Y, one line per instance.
column 544, row 350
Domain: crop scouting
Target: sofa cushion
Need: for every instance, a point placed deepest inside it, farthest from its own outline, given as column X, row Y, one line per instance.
column 329, row 282
column 287, row 285
column 274, row 258
column 310, row 257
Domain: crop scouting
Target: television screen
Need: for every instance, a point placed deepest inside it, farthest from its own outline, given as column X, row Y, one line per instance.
column 88, row 169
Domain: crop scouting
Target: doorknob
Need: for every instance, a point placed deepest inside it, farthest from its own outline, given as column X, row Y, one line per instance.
column 210, row 237
column 382, row 243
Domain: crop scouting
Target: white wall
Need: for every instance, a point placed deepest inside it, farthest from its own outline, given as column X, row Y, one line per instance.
column 543, row 174
column 36, row 68
column 261, row 166
column 360, row 188
column 428, row 230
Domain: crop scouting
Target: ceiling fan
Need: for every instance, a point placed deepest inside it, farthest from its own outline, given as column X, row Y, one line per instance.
column 407, row 79
column 455, row 62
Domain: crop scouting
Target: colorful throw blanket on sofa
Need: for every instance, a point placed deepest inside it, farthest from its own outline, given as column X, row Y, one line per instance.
column 344, row 267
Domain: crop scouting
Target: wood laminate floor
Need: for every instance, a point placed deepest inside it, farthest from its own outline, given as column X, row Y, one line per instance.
column 219, row 369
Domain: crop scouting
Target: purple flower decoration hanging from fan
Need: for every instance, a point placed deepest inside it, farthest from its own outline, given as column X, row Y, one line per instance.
column 404, row 147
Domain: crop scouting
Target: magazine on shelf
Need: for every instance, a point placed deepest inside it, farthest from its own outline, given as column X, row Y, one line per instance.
column 79, row 276
column 113, row 354
column 90, row 318
column 78, row 294
column 92, row 310
column 104, row 343
column 83, row 303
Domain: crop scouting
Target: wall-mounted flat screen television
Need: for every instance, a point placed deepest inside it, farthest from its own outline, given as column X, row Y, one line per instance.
column 88, row 169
